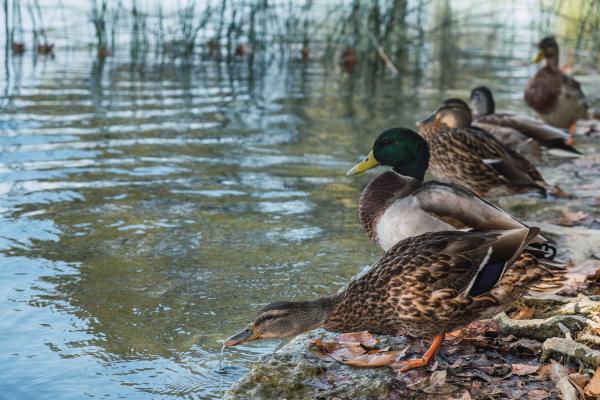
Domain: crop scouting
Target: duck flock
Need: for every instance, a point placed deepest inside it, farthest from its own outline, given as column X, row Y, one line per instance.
column 451, row 256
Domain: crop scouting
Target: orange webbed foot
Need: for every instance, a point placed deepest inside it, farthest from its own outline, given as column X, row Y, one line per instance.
column 407, row 365
column 572, row 129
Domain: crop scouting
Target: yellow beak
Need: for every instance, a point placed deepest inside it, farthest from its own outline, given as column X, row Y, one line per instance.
column 539, row 57
column 365, row 165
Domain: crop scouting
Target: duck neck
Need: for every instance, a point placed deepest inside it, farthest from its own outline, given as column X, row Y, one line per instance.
column 377, row 195
column 318, row 311
column 415, row 169
column 552, row 61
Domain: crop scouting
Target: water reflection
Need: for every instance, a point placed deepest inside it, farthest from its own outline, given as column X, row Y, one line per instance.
column 146, row 214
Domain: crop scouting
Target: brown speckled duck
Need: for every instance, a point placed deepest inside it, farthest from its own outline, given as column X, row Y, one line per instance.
column 556, row 97
column 472, row 157
column 423, row 286
column 397, row 204
column 515, row 130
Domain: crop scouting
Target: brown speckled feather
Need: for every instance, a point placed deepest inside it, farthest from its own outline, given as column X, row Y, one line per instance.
column 421, row 285
column 556, row 97
column 475, row 159
column 542, row 91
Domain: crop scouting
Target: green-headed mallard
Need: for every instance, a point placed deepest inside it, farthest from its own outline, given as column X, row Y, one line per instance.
column 423, row 286
column 513, row 129
column 556, row 97
column 472, row 157
column 397, row 204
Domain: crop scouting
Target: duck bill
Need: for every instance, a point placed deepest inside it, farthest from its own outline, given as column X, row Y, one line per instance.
column 538, row 57
column 247, row 335
column 426, row 120
column 365, row 165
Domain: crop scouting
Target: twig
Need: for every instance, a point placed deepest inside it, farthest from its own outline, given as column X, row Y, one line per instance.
column 386, row 60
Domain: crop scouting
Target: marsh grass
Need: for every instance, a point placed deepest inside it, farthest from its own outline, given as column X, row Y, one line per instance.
column 387, row 35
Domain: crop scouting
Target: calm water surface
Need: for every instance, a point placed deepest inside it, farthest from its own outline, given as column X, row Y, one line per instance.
column 146, row 216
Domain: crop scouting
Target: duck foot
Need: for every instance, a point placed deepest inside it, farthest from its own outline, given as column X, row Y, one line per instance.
column 572, row 129
column 560, row 193
column 407, row 365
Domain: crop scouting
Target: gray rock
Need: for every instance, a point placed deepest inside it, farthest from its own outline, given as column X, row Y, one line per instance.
column 540, row 328
column 294, row 372
column 567, row 349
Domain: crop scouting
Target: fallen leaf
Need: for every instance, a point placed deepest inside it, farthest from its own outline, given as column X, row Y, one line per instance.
column 331, row 350
column 570, row 218
column 524, row 369
column 553, row 371
column 438, row 378
column 415, row 379
column 465, row 396
column 538, row 394
column 525, row 346
column 355, row 349
column 374, row 358
column 596, row 331
column 579, row 381
column 363, row 337
column 524, row 313
column 593, row 387
column 579, row 276
column 497, row 370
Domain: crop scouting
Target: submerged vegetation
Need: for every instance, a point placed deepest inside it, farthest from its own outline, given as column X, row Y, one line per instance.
column 386, row 34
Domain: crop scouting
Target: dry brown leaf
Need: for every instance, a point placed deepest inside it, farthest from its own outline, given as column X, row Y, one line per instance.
column 525, row 346
column 364, row 338
column 578, row 381
column 553, row 371
column 593, row 387
column 355, row 349
column 579, row 275
column 524, row 313
column 465, row 396
column 524, row 369
column 596, row 331
column 570, row 218
column 438, row 378
column 374, row 359
column 538, row 394
column 328, row 350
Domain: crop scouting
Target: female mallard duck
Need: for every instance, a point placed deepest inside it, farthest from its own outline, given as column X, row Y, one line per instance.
column 512, row 129
column 472, row 157
column 556, row 97
column 423, row 286
column 397, row 204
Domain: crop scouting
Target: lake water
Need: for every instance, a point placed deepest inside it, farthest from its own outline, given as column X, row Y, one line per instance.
column 147, row 214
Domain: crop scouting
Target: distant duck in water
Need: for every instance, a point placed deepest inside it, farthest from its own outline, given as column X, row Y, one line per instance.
column 512, row 129
column 472, row 157
column 397, row 204
column 556, row 97
column 423, row 286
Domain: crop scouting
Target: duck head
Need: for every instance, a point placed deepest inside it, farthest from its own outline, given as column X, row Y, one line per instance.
column 284, row 319
column 452, row 113
column 400, row 148
column 548, row 50
column 482, row 101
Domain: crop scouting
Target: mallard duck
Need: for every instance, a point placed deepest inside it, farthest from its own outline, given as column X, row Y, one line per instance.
column 397, row 204
column 423, row 286
column 512, row 129
column 472, row 157
column 556, row 97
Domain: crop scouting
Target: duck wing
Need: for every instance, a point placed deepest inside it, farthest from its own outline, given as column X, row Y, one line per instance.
column 547, row 135
column 513, row 167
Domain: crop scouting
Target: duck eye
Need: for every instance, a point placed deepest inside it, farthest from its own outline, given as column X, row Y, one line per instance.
column 385, row 142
